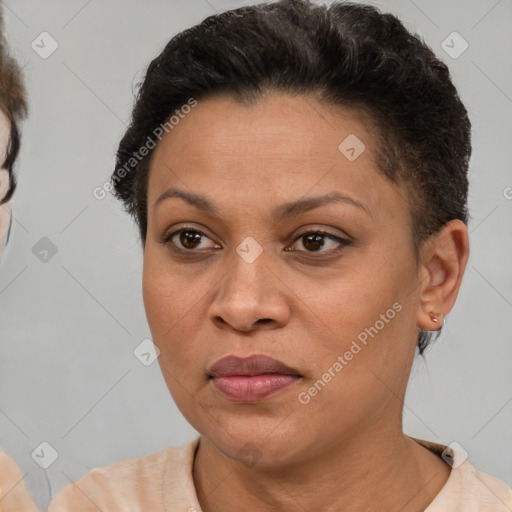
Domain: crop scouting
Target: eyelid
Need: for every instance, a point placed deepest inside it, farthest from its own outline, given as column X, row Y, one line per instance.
column 325, row 231
column 343, row 240
column 344, row 235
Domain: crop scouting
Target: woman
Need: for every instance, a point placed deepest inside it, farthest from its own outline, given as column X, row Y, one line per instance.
column 13, row 108
column 298, row 174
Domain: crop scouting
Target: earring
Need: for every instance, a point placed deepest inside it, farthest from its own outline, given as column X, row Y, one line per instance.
column 433, row 317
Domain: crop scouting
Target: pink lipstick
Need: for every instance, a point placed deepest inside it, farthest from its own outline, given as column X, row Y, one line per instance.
column 251, row 379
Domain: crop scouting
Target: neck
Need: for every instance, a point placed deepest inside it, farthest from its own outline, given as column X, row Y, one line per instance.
column 377, row 471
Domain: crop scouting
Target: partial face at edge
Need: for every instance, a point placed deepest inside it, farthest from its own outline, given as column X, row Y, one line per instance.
column 314, row 297
column 5, row 209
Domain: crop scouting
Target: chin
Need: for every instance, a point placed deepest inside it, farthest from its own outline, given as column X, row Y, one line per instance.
column 251, row 445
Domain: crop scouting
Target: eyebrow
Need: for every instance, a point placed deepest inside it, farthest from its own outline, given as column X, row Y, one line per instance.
column 279, row 214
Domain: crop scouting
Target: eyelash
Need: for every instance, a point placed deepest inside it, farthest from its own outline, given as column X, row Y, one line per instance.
column 342, row 241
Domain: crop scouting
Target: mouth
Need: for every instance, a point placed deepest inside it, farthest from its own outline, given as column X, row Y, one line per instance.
column 251, row 379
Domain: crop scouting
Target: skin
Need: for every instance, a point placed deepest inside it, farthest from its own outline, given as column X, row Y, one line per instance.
column 5, row 209
column 345, row 449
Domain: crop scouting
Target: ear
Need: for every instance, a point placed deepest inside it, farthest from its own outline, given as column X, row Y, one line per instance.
column 443, row 260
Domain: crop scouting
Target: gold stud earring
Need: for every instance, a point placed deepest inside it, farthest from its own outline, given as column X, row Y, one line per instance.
column 433, row 317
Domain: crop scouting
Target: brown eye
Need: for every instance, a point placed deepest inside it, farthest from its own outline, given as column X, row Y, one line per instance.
column 315, row 241
column 186, row 239
column 189, row 239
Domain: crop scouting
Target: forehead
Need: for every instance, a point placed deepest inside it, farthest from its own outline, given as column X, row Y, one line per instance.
column 281, row 147
column 288, row 126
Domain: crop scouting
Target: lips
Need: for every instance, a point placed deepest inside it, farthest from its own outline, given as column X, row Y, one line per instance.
column 251, row 379
column 250, row 366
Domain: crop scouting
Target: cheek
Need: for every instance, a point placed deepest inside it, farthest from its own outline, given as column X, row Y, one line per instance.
column 171, row 304
column 166, row 297
column 353, row 303
column 369, row 323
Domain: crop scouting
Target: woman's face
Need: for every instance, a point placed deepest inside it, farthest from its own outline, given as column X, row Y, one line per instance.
column 251, row 283
column 5, row 210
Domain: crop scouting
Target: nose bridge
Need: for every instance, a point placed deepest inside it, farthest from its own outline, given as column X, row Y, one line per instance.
column 249, row 273
column 250, row 290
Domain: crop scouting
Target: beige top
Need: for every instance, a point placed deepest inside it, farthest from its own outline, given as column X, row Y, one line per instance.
column 163, row 482
column 13, row 493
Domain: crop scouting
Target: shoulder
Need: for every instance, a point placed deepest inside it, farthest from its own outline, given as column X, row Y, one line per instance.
column 483, row 492
column 8, row 467
column 13, row 493
column 468, row 489
column 135, row 484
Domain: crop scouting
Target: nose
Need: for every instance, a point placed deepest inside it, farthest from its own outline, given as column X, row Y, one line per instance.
column 251, row 296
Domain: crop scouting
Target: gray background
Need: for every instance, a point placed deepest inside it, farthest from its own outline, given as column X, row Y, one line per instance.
column 68, row 375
